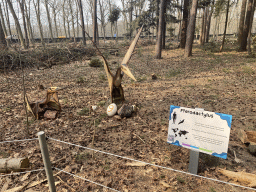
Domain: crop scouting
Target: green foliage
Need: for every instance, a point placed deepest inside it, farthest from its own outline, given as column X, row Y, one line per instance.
column 80, row 157
column 180, row 179
column 95, row 62
column 80, row 80
column 114, row 15
column 101, row 103
column 84, row 111
column 212, row 189
column 248, row 70
column 173, row 73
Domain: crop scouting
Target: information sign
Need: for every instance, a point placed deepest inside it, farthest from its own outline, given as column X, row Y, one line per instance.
column 199, row 130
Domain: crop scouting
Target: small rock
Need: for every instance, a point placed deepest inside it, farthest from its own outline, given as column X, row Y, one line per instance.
column 94, row 107
column 125, row 111
column 252, row 148
column 50, row 114
column 154, row 76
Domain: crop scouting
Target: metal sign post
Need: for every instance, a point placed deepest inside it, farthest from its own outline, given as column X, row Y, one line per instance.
column 193, row 162
column 46, row 159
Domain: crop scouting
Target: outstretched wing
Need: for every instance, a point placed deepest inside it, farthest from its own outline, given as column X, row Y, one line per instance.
column 128, row 55
column 108, row 72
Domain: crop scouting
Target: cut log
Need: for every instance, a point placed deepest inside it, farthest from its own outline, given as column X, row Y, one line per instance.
column 243, row 136
column 15, row 164
column 247, row 179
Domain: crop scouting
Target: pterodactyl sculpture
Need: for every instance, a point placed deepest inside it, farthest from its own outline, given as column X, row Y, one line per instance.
column 114, row 81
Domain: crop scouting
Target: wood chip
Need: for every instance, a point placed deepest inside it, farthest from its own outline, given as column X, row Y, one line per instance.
column 136, row 164
column 165, row 184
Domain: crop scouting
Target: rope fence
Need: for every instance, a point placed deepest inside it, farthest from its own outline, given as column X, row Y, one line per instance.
column 110, row 154
column 85, row 179
column 159, row 166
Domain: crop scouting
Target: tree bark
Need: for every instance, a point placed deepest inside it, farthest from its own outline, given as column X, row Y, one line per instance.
column 21, row 2
column 37, row 8
column 241, row 22
column 7, row 18
column 82, row 20
column 14, row 164
column 225, row 29
column 208, row 25
column 29, row 27
column 184, row 24
column 48, row 18
column 4, row 28
column 250, row 29
column 191, row 29
column 160, row 31
column 3, row 43
column 247, row 23
column 55, row 21
column 16, row 23
column 203, row 26
column 95, row 22
column 157, row 17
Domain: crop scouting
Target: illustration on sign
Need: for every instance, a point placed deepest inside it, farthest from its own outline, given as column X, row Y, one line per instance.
column 200, row 130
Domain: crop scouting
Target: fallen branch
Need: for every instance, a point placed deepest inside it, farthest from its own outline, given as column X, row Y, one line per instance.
column 16, row 164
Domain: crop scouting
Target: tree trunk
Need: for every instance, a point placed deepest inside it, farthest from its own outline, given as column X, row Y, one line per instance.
column 225, row 29
column 48, row 18
column 203, row 24
column 82, row 20
column 72, row 20
column 125, row 16
column 184, row 24
column 247, row 24
column 21, row 2
column 157, row 16
column 3, row 43
column 131, row 11
column 64, row 19
column 37, row 8
column 16, row 23
column 95, row 22
column 55, row 21
column 4, row 28
column 191, row 29
column 250, row 29
column 29, row 27
column 7, row 18
column 160, row 31
column 241, row 22
column 164, row 26
column 208, row 25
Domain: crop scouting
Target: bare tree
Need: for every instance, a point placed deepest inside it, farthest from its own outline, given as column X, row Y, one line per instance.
column 95, row 26
column 72, row 20
column 82, row 20
column 184, row 24
column 103, row 13
column 29, row 27
column 160, row 31
column 3, row 26
column 225, row 28
column 21, row 2
column 241, row 21
column 191, row 29
column 247, row 25
column 37, row 9
column 2, row 37
column 48, row 18
column 16, row 20
column 5, row 8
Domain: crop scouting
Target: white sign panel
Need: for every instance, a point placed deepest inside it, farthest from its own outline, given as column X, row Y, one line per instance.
column 200, row 130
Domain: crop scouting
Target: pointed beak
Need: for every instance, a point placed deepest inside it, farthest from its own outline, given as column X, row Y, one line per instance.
column 127, row 71
column 55, row 88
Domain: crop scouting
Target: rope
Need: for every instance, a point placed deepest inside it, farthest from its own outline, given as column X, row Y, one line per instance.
column 21, row 172
column 85, row 179
column 18, row 140
column 127, row 158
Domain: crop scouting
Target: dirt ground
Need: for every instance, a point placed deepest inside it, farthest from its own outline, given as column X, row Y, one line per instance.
column 219, row 82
